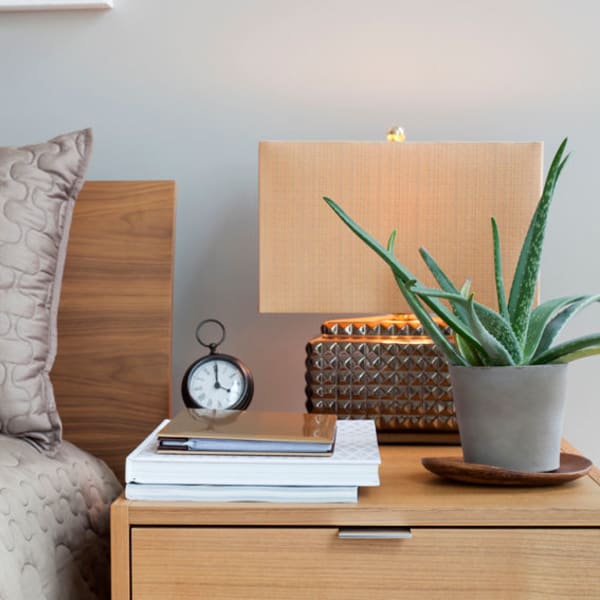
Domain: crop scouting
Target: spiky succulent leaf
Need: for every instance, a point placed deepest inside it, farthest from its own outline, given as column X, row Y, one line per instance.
column 429, row 325
column 474, row 356
column 368, row 239
column 548, row 319
column 570, row 351
column 392, row 241
column 405, row 281
column 444, row 282
column 556, row 324
column 494, row 348
column 402, row 276
column 539, row 320
column 496, row 326
column 515, row 335
column 459, row 327
column 526, row 273
column 500, row 292
column 469, row 347
column 405, row 287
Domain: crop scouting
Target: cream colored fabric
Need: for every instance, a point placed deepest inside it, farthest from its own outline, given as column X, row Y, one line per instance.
column 54, row 523
column 38, row 187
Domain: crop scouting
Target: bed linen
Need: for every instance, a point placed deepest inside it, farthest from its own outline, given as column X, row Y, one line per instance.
column 54, row 523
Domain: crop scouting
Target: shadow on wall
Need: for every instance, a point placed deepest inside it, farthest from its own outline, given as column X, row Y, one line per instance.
column 222, row 282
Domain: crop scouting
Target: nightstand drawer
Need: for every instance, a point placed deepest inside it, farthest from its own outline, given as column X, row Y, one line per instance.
column 314, row 563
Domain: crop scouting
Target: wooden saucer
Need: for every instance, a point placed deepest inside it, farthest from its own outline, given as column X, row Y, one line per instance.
column 572, row 466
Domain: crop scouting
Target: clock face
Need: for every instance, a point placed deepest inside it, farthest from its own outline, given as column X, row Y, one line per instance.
column 218, row 383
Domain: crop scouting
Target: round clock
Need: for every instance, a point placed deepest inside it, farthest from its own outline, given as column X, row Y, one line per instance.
column 216, row 381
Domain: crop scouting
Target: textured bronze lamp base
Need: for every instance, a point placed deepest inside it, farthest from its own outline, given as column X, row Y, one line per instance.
column 383, row 368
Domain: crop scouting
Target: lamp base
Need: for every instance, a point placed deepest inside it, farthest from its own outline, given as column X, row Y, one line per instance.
column 383, row 368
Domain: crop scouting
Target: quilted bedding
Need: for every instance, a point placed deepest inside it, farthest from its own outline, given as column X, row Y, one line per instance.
column 54, row 523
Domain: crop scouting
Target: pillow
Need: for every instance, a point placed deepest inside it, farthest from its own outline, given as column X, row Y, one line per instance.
column 38, row 187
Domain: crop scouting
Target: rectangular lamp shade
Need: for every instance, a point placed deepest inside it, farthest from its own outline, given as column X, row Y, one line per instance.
column 438, row 195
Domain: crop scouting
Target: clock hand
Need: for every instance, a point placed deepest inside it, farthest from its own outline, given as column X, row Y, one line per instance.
column 218, row 386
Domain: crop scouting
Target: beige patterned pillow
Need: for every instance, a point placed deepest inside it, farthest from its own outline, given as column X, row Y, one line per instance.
column 38, row 187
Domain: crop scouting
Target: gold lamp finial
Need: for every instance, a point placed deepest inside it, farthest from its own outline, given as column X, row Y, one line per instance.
column 396, row 134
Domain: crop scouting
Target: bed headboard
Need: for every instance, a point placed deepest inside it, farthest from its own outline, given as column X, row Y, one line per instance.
column 112, row 373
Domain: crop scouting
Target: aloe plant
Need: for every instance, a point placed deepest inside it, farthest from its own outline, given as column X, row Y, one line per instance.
column 518, row 333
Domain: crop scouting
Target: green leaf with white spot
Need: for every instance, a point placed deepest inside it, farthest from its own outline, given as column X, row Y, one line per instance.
column 527, row 270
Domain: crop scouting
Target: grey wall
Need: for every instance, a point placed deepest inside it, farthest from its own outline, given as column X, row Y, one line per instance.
column 185, row 89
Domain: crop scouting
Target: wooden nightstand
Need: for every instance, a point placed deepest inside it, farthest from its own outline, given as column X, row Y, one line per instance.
column 467, row 542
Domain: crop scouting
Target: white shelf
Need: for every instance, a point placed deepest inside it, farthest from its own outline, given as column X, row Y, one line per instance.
column 17, row 5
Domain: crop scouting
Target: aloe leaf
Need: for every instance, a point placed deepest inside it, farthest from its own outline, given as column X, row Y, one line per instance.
column 498, row 354
column 527, row 269
column 464, row 290
column 405, row 288
column 539, row 320
column 469, row 353
column 466, row 344
column 474, row 356
column 556, row 324
column 500, row 292
column 453, row 321
column 549, row 318
column 495, row 324
column 384, row 253
column 402, row 276
column 429, row 325
column 387, row 254
column 469, row 347
column 443, row 280
column 392, row 241
column 571, row 350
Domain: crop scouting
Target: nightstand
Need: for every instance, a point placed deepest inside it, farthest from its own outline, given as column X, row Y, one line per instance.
column 415, row 536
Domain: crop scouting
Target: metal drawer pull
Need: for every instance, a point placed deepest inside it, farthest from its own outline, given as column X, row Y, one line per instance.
column 369, row 533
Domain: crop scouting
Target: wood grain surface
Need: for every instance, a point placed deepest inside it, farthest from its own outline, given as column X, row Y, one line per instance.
column 572, row 466
column 113, row 368
column 409, row 495
column 469, row 541
column 119, row 552
column 309, row 563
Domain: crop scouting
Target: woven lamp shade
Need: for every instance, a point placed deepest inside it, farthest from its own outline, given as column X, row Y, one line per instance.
column 437, row 195
column 440, row 196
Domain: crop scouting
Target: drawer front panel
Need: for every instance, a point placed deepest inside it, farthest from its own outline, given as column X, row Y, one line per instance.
column 302, row 563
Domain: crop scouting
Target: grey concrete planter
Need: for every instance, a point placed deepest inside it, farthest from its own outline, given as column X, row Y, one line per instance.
column 511, row 417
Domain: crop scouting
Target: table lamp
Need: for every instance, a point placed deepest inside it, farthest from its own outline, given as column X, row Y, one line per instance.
column 438, row 195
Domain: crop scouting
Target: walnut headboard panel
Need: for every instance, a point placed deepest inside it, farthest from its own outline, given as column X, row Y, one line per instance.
column 113, row 369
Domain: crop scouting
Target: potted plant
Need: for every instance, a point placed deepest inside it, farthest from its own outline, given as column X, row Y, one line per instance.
column 507, row 371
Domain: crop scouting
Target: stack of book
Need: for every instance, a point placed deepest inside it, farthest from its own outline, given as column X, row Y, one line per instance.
column 208, row 455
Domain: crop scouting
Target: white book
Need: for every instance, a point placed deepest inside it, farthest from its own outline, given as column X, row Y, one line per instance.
column 241, row 493
column 355, row 462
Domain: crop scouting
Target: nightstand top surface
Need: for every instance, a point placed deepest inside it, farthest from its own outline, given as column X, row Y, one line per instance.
column 409, row 495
